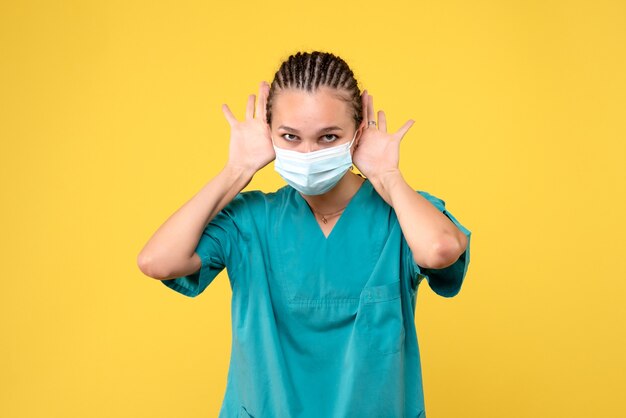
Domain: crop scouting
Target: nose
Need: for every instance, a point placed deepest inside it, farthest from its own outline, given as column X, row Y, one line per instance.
column 309, row 147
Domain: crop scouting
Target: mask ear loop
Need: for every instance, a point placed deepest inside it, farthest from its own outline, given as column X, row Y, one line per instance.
column 350, row 146
column 352, row 142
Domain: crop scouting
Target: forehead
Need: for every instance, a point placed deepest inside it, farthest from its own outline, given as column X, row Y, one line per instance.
column 301, row 109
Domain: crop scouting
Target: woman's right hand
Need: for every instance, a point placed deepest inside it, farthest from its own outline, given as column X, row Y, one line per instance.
column 250, row 139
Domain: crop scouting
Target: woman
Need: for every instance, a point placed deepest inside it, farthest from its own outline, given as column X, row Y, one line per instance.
column 324, row 271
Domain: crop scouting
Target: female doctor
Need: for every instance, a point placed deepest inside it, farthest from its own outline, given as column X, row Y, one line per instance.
column 324, row 271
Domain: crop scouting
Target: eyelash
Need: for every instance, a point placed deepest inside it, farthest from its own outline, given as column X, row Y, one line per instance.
column 324, row 140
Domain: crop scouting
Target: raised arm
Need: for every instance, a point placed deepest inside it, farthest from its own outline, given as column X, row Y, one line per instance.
column 169, row 253
column 433, row 238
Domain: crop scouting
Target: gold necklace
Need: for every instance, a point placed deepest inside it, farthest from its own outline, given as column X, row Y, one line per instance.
column 324, row 217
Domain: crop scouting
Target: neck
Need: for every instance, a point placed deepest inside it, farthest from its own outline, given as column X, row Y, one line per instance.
column 338, row 197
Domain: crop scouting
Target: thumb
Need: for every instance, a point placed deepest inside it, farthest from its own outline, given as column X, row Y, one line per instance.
column 405, row 128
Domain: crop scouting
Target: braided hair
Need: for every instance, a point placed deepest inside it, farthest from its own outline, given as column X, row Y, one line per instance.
column 310, row 71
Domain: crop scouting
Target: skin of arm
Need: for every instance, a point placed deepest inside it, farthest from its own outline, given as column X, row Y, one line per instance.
column 170, row 252
column 433, row 238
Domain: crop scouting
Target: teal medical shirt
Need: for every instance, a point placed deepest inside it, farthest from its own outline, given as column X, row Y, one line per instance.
column 321, row 327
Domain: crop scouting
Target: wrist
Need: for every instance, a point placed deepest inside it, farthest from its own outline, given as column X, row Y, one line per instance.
column 239, row 173
column 385, row 182
column 387, row 179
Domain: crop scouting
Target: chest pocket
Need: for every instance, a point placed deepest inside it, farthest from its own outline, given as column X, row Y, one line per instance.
column 381, row 307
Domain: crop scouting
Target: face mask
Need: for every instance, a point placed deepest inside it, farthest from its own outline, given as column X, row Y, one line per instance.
column 316, row 172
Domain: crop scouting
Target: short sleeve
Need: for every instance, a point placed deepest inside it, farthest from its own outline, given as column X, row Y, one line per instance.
column 447, row 281
column 217, row 249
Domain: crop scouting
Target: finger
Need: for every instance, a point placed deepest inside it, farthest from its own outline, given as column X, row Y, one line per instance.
column 261, row 102
column 250, row 107
column 370, row 108
column 229, row 115
column 405, row 128
column 382, row 121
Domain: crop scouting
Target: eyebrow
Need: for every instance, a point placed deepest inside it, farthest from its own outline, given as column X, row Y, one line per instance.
column 327, row 129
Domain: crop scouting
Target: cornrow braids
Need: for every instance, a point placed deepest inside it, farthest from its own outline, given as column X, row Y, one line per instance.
column 310, row 71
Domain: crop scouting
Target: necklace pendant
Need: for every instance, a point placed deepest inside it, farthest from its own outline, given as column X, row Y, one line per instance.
column 324, row 219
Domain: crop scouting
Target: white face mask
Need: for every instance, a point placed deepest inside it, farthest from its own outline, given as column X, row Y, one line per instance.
column 316, row 172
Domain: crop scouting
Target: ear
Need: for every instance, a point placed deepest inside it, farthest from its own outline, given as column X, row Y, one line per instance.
column 362, row 125
column 357, row 139
column 360, row 130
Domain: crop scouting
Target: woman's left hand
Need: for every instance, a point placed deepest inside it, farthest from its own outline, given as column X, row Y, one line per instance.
column 378, row 152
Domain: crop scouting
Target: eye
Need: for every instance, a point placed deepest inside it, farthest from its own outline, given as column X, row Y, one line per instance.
column 286, row 137
column 329, row 138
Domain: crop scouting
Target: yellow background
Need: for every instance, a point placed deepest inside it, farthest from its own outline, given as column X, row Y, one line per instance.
column 110, row 120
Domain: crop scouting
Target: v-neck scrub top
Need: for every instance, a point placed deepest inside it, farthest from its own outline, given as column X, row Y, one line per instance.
column 321, row 326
